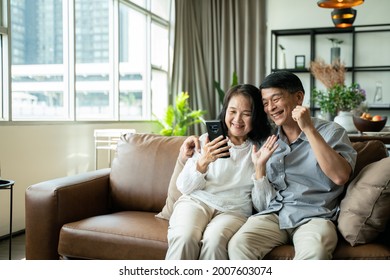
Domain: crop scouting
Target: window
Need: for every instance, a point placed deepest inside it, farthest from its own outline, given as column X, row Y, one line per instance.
column 4, row 64
column 89, row 60
column 2, row 90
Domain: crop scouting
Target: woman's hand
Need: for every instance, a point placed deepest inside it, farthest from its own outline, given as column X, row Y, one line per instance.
column 189, row 146
column 211, row 152
column 262, row 155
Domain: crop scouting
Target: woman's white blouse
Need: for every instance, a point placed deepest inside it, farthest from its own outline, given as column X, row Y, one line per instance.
column 228, row 183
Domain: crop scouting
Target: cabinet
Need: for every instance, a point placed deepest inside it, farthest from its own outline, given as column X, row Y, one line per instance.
column 365, row 51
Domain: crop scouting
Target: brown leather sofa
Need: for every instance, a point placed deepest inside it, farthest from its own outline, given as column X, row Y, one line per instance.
column 111, row 213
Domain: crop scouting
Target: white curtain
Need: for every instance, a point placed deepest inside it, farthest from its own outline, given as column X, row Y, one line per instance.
column 213, row 39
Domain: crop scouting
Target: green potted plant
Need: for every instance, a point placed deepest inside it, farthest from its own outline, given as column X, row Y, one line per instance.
column 339, row 98
column 179, row 117
column 339, row 101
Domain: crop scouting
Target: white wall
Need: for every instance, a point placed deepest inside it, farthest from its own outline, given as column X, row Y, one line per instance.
column 31, row 153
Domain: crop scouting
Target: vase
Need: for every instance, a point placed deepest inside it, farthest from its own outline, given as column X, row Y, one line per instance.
column 326, row 116
column 283, row 61
column 344, row 118
column 335, row 54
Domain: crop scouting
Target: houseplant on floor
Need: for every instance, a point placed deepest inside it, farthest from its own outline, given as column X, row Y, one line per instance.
column 179, row 117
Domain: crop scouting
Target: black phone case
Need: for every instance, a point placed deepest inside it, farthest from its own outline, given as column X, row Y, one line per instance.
column 215, row 129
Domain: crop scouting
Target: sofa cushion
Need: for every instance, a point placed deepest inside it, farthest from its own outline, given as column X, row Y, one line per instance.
column 141, row 171
column 365, row 209
column 127, row 235
column 173, row 193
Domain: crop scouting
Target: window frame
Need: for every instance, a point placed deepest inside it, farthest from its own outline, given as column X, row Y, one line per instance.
column 69, row 63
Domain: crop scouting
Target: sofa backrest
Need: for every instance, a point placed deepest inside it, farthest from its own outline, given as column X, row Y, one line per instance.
column 368, row 152
column 141, row 171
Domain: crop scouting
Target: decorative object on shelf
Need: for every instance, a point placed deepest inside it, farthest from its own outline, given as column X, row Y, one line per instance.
column 328, row 74
column 378, row 98
column 179, row 118
column 337, row 99
column 343, row 18
column 283, row 60
column 339, row 4
column 335, row 51
column 378, row 93
column 300, row 61
column 344, row 118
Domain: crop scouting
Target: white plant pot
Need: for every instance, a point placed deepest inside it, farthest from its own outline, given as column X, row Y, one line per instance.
column 345, row 120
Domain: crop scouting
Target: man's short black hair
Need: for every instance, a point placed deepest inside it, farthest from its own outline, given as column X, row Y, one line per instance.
column 284, row 80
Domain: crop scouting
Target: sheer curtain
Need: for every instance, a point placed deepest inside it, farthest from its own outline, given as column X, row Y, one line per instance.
column 213, row 39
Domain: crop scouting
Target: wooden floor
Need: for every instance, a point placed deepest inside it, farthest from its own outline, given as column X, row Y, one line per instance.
column 18, row 247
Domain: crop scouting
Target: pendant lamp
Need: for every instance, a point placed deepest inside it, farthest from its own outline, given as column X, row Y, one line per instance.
column 343, row 18
column 339, row 4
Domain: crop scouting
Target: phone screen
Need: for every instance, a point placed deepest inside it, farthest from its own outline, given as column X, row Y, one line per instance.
column 215, row 129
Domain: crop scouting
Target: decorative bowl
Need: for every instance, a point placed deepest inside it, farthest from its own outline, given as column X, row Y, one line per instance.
column 363, row 125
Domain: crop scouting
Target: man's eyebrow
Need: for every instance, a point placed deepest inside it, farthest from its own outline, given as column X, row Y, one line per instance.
column 273, row 95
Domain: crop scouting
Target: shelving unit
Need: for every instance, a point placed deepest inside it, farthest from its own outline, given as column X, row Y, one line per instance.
column 364, row 51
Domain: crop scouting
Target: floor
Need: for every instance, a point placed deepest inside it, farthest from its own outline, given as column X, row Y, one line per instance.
column 17, row 245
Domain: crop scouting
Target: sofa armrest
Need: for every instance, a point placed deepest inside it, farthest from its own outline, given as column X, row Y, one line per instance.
column 53, row 203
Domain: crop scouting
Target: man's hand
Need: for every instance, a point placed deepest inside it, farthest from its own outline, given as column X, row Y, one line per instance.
column 331, row 162
column 301, row 115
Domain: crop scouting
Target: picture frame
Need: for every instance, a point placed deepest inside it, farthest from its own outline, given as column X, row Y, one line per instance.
column 300, row 61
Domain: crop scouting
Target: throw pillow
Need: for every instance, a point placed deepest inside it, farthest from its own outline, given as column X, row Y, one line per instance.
column 173, row 193
column 365, row 209
column 368, row 152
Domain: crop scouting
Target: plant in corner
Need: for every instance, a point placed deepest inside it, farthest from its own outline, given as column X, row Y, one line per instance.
column 180, row 117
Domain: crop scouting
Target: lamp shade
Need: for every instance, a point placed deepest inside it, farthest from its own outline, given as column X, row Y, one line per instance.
column 343, row 18
column 339, row 4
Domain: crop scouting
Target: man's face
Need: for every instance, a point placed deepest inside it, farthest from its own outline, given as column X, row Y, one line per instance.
column 278, row 104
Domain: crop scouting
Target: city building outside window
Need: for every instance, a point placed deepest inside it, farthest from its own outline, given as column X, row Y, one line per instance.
column 89, row 60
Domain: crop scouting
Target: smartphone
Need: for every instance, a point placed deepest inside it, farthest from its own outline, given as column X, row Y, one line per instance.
column 216, row 129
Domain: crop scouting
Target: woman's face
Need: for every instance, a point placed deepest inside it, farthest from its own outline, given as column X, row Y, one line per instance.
column 238, row 118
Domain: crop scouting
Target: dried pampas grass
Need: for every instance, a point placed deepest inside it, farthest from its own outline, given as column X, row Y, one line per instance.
column 328, row 74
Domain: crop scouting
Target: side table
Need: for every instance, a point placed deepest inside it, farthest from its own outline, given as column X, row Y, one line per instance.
column 8, row 185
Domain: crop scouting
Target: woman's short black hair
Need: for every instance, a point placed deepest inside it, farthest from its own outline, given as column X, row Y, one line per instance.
column 283, row 80
column 261, row 127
